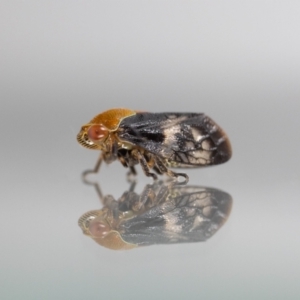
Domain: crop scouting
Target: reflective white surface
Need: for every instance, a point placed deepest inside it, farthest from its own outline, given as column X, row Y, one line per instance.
column 62, row 63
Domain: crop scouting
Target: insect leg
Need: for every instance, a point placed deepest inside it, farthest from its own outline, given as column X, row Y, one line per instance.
column 157, row 170
column 185, row 176
column 126, row 161
column 144, row 165
column 131, row 175
column 98, row 164
column 123, row 161
column 163, row 169
column 94, row 171
column 133, row 171
column 132, row 186
column 147, row 197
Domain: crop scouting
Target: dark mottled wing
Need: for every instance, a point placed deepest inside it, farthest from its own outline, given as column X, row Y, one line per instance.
column 194, row 215
column 182, row 139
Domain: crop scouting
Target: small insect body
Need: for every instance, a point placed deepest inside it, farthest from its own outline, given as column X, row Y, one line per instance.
column 161, row 214
column 156, row 141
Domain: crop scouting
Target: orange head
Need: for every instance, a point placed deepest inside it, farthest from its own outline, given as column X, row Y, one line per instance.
column 94, row 134
column 96, row 224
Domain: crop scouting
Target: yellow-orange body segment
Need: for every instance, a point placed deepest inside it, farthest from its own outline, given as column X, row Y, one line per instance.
column 114, row 241
column 112, row 118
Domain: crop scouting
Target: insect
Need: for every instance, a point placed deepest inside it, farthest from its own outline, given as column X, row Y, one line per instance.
column 159, row 215
column 156, row 141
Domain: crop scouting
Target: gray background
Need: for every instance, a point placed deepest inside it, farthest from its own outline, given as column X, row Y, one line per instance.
column 62, row 62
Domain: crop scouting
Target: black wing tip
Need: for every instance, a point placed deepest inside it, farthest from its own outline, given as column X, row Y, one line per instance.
column 224, row 153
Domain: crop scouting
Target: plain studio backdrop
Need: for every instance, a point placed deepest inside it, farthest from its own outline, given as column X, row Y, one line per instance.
column 62, row 62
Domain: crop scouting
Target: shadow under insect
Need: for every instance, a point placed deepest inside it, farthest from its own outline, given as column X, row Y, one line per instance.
column 161, row 214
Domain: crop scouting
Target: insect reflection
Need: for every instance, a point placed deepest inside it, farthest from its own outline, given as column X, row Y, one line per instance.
column 161, row 214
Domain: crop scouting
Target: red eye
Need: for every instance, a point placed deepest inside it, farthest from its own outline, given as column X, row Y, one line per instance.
column 98, row 229
column 97, row 132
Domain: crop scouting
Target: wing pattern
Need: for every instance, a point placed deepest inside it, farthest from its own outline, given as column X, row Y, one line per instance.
column 181, row 139
column 194, row 215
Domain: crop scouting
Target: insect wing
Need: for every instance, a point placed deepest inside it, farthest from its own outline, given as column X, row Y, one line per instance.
column 160, row 215
column 183, row 139
column 194, row 215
